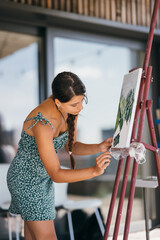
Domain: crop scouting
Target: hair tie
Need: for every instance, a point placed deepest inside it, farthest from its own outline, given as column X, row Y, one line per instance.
column 70, row 153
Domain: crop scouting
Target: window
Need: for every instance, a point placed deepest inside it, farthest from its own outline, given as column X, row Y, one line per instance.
column 18, row 87
column 101, row 67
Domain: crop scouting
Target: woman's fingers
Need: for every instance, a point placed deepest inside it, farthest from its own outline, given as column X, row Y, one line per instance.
column 109, row 139
column 106, row 165
column 103, row 160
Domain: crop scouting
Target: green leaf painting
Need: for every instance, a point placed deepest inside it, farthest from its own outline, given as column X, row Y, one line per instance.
column 116, row 140
column 127, row 109
column 129, row 105
column 124, row 113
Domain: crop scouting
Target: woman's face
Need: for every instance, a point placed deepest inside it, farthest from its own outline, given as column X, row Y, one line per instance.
column 74, row 106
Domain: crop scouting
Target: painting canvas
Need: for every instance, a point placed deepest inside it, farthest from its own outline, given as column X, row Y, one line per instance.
column 126, row 109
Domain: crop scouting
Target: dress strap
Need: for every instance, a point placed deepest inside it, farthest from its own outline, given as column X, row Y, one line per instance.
column 38, row 118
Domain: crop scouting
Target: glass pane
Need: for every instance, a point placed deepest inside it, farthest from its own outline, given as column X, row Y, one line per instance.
column 18, row 87
column 101, row 67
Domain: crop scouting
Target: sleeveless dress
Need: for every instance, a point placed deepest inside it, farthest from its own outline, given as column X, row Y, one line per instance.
column 31, row 188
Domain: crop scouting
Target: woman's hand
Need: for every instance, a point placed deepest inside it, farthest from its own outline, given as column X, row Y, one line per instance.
column 102, row 162
column 105, row 145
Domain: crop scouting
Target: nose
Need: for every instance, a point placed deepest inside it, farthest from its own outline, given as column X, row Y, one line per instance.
column 80, row 107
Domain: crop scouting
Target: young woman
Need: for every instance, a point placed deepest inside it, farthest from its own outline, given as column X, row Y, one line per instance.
column 49, row 127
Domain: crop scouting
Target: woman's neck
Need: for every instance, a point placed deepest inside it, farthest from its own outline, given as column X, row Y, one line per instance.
column 60, row 110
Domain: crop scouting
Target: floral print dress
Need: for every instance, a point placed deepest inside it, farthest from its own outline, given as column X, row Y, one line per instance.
column 31, row 188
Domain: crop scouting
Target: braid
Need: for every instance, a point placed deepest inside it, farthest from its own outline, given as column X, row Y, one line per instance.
column 71, row 128
column 65, row 86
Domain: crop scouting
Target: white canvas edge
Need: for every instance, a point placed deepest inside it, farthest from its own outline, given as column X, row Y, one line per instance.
column 134, row 106
column 139, row 70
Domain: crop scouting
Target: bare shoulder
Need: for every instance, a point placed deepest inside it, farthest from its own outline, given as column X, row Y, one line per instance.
column 41, row 130
column 44, row 118
column 46, row 127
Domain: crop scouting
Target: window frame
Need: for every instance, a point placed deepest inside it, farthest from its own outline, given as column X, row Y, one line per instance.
column 38, row 32
column 53, row 32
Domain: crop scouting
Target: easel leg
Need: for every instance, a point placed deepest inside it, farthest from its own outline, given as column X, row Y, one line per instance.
column 130, row 200
column 114, row 194
column 121, row 200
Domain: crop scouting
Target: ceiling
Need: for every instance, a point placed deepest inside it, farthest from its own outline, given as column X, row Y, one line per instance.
column 11, row 42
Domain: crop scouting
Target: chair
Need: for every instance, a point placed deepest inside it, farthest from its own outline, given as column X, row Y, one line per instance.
column 5, row 199
column 62, row 201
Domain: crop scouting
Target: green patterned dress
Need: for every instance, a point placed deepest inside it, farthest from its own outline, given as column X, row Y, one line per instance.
column 31, row 188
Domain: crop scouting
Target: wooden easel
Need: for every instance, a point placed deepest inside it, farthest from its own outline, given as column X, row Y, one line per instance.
column 143, row 107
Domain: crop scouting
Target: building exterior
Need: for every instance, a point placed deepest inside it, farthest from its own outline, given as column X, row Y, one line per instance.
column 99, row 40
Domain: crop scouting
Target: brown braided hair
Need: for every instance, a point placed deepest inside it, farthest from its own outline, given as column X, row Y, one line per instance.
column 71, row 128
column 65, row 86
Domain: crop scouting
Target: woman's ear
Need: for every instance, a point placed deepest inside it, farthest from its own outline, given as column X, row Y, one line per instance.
column 57, row 102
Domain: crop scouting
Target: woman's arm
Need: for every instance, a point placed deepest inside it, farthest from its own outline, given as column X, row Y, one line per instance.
column 44, row 139
column 88, row 149
column 85, row 149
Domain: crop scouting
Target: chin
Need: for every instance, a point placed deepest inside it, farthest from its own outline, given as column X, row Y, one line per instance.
column 75, row 113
